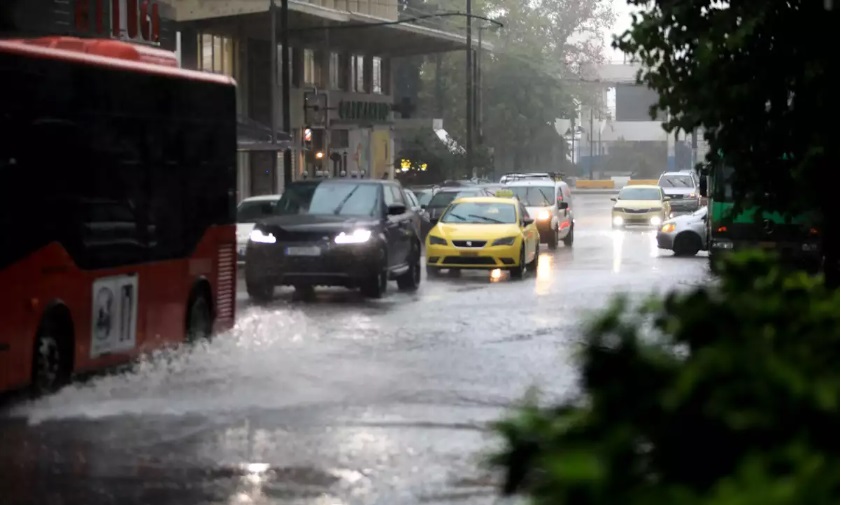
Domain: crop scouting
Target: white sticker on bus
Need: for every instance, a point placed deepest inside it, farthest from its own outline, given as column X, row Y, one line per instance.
column 114, row 318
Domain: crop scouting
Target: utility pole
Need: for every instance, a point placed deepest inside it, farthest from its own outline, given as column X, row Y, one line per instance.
column 469, row 89
column 477, row 110
column 287, row 87
column 273, row 91
column 590, row 141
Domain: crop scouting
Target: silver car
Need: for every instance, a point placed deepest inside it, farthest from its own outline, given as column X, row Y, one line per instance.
column 682, row 188
column 685, row 235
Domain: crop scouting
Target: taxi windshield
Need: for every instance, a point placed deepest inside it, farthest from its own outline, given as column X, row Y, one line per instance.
column 639, row 194
column 480, row 213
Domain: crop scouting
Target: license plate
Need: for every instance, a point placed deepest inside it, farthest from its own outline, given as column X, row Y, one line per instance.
column 303, row 251
column 468, row 253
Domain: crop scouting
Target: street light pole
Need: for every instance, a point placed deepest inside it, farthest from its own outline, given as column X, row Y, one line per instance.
column 287, row 87
column 469, row 90
column 273, row 92
column 590, row 141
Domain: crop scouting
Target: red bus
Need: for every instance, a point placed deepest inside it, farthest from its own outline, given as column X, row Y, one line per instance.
column 117, row 206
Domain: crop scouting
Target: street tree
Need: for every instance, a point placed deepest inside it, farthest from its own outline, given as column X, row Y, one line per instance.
column 759, row 77
column 527, row 79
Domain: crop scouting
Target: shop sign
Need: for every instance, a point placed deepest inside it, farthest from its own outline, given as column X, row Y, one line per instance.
column 366, row 111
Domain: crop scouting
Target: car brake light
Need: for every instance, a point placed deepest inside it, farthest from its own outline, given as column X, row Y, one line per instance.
column 721, row 229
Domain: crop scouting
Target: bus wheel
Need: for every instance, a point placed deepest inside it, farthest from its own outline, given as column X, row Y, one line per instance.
column 199, row 319
column 51, row 361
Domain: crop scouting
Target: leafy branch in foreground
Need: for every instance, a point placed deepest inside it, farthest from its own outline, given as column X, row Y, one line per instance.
column 732, row 399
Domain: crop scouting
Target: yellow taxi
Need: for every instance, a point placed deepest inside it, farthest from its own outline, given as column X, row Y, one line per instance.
column 643, row 205
column 483, row 233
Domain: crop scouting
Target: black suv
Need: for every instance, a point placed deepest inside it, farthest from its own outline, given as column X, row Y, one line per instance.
column 352, row 233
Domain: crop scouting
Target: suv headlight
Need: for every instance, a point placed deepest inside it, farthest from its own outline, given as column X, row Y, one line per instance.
column 357, row 236
column 504, row 241
column 261, row 237
column 543, row 215
column 433, row 240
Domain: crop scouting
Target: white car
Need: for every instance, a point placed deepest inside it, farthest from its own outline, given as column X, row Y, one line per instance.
column 685, row 234
column 249, row 211
column 549, row 203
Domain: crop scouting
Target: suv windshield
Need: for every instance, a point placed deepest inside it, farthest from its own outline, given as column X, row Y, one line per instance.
column 639, row 194
column 330, row 198
column 677, row 181
column 535, row 196
column 480, row 213
column 253, row 211
column 443, row 198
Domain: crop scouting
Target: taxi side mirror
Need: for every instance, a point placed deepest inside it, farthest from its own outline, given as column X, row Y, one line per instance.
column 613, row 199
column 527, row 221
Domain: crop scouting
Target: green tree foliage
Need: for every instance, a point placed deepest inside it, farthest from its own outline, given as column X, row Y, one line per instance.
column 523, row 78
column 759, row 76
column 730, row 398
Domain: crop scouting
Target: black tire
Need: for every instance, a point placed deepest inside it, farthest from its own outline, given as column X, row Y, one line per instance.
column 532, row 267
column 519, row 271
column 570, row 238
column 51, row 360
column 410, row 281
column 687, row 244
column 375, row 285
column 553, row 241
column 199, row 319
column 259, row 291
column 304, row 291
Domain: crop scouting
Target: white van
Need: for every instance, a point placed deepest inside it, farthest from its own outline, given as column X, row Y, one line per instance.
column 550, row 204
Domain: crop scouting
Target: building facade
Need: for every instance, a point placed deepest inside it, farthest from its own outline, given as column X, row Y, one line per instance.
column 342, row 101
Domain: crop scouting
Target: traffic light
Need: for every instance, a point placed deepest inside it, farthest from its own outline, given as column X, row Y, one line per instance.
column 308, row 138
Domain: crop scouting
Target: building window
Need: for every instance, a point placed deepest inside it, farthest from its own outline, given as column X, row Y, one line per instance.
column 216, row 54
column 334, row 71
column 309, row 66
column 377, row 75
column 357, row 64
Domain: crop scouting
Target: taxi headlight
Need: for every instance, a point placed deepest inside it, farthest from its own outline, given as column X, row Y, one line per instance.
column 433, row 240
column 617, row 220
column 543, row 215
column 655, row 220
column 668, row 228
column 357, row 236
column 504, row 241
column 262, row 238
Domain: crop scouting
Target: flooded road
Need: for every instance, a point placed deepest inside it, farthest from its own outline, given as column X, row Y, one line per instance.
column 337, row 400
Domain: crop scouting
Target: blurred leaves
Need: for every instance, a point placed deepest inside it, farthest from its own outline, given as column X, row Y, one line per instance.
column 758, row 76
column 716, row 395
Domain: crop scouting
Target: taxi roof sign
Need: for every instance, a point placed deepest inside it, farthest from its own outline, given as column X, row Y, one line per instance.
column 504, row 193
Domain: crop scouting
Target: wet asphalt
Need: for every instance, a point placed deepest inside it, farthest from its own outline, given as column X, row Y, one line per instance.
column 337, row 400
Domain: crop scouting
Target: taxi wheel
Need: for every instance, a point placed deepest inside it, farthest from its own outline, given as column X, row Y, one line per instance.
column 519, row 271
column 532, row 267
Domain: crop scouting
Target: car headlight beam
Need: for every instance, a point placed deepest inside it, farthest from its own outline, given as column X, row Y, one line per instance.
column 655, row 221
column 618, row 221
column 261, row 237
column 357, row 236
column 543, row 215
column 668, row 228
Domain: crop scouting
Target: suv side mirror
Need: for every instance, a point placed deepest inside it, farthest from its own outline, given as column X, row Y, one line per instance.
column 563, row 205
column 396, row 209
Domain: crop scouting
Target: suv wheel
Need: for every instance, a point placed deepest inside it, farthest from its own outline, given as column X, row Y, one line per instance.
column 553, row 241
column 570, row 236
column 410, row 281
